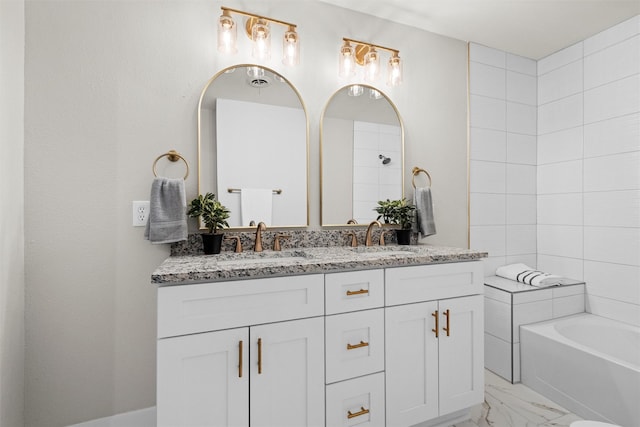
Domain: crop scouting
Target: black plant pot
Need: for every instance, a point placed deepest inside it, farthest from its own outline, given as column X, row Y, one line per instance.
column 212, row 243
column 403, row 237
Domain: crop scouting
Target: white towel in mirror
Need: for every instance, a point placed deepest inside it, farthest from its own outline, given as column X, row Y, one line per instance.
column 256, row 204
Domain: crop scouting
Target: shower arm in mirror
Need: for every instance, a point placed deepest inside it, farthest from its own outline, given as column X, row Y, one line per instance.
column 248, row 93
column 370, row 107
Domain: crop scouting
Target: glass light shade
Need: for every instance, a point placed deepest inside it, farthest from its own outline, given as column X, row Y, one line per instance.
column 394, row 71
column 291, row 47
column 355, row 90
column 374, row 94
column 371, row 65
column 255, row 72
column 227, row 34
column 346, row 61
column 261, row 36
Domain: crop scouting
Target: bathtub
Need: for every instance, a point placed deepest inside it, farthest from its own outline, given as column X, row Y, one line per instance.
column 586, row 363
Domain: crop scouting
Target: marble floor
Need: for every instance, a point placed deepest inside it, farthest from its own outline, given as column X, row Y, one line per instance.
column 515, row 405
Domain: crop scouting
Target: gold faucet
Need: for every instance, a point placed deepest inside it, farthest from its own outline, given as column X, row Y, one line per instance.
column 367, row 239
column 259, row 229
column 352, row 221
column 276, row 241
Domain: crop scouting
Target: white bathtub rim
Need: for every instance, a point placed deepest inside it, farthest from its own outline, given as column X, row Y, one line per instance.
column 548, row 329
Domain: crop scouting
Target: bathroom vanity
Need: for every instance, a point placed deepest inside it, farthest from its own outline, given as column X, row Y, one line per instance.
column 320, row 336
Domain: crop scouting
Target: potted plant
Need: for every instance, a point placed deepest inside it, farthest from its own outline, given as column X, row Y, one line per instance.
column 214, row 216
column 397, row 212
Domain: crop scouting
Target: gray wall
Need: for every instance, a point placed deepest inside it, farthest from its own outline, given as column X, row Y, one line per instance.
column 110, row 85
column 12, row 25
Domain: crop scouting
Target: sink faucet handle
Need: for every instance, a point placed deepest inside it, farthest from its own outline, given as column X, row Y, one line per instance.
column 276, row 241
column 238, row 243
column 354, row 238
column 381, row 242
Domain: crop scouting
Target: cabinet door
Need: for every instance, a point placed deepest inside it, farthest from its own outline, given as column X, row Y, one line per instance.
column 203, row 380
column 412, row 364
column 287, row 374
column 461, row 353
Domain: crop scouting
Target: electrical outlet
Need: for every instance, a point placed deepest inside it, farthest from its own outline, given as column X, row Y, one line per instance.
column 140, row 213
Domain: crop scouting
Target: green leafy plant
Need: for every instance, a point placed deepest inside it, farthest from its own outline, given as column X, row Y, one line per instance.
column 213, row 213
column 396, row 212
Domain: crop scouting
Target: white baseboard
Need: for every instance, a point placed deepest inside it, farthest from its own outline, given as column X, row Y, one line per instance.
column 140, row 418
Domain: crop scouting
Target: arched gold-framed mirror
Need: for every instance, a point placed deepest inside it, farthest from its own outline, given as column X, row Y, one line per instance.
column 361, row 155
column 253, row 147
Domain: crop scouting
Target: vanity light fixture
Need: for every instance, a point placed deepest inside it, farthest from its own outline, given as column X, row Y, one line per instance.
column 355, row 90
column 258, row 30
column 354, row 52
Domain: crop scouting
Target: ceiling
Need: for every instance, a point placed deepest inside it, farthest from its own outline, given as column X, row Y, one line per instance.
column 530, row 28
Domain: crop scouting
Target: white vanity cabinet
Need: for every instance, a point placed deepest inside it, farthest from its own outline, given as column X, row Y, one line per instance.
column 266, row 373
column 434, row 349
column 366, row 348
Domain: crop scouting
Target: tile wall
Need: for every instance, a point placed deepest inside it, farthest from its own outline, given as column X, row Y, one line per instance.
column 503, row 156
column 589, row 168
column 372, row 179
column 564, row 195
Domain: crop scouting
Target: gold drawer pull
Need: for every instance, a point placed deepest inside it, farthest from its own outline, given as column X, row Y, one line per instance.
column 435, row 315
column 360, row 292
column 357, row 414
column 354, row 346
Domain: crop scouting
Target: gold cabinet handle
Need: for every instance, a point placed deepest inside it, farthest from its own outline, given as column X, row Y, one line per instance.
column 259, row 355
column 362, row 411
column 240, row 359
column 447, row 329
column 435, row 330
column 354, row 346
column 360, row 292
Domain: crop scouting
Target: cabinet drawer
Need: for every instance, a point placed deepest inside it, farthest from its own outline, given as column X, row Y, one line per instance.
column 430, row 282
column 188, row 309
column 354, row 344
column 354, row 290
column 357, row 402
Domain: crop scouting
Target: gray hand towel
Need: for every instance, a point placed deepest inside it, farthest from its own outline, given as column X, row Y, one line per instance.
column 167, row 211
column 425, row 224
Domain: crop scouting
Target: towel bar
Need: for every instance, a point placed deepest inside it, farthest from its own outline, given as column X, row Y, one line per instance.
column 416, row 170
column 238, row 190
column 173, row 156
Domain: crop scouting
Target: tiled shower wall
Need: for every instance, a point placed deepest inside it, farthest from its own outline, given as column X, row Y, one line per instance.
column 503, row 156
column 587, row 153
column 589, row 168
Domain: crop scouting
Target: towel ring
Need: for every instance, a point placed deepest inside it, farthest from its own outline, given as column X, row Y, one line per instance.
column 173, row 156
column 416, row 170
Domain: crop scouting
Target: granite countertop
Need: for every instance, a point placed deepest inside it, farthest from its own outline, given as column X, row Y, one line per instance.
column 247, row 265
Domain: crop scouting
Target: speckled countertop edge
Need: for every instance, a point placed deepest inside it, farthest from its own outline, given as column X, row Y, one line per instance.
column 247, row 265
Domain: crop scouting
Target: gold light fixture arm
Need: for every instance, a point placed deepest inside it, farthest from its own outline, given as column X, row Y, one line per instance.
column 254, row 16
column 358, row 42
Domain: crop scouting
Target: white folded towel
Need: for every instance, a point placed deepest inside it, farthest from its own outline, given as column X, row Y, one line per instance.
column 525, row 274
column 167, row 222
column 256, row 204
column 424, row 224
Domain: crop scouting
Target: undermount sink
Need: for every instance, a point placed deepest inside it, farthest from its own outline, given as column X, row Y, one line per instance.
column 387, row 250
column 261, row 258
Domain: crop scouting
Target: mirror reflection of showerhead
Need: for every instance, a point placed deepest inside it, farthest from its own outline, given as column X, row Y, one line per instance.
column 385, row 159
